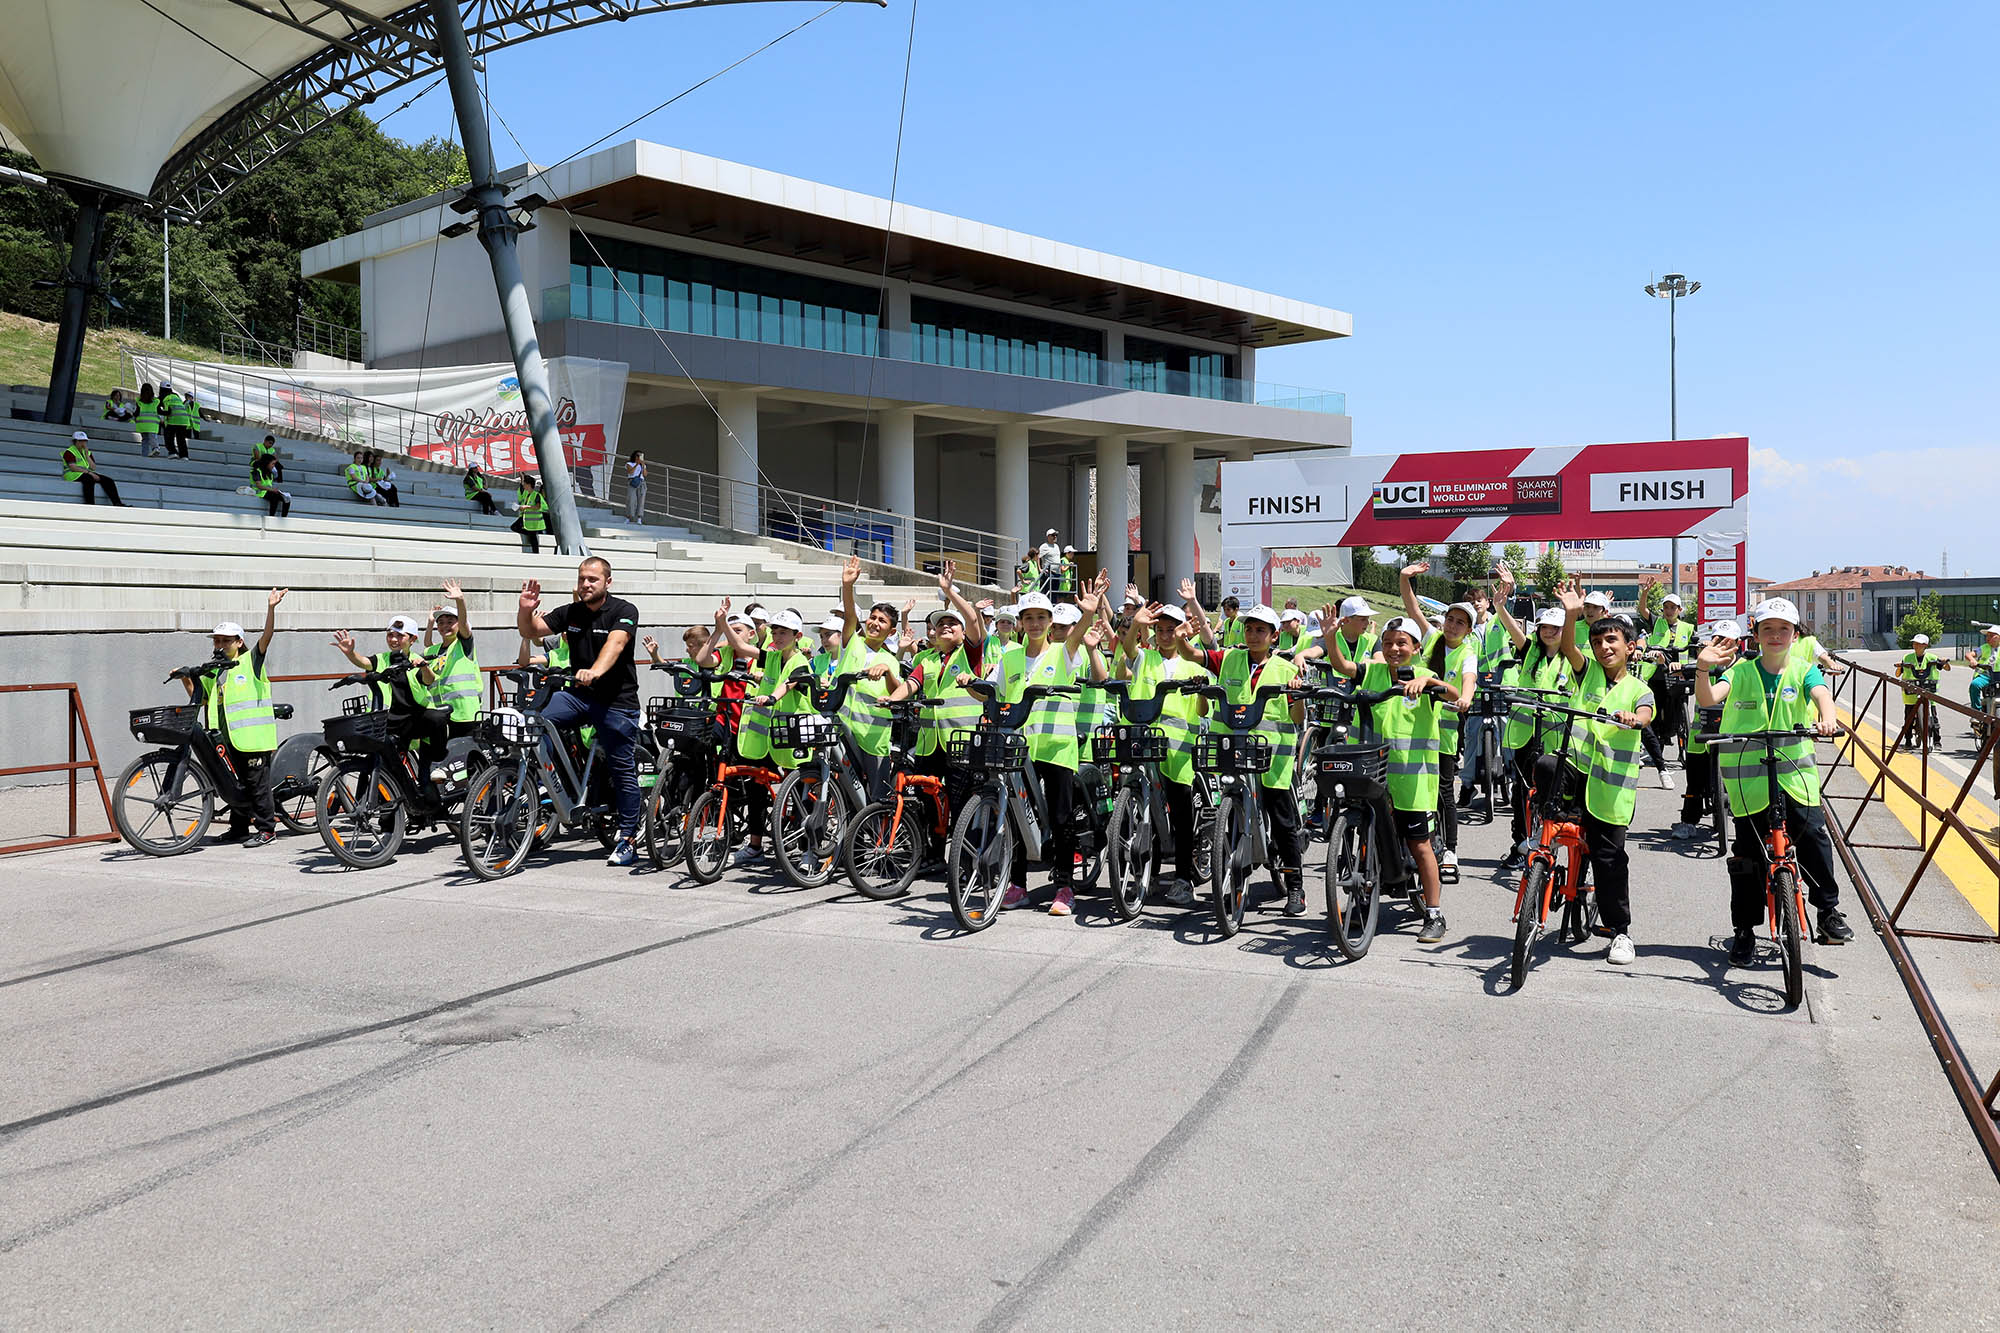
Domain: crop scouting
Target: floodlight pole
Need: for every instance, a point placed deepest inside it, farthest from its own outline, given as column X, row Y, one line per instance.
column 1672, row 288
column 497, row 230
column 79, row 280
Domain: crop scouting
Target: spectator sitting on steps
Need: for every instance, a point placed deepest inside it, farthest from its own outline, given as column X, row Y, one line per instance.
column 384, row 479
column 277, row 503
column 267, row 452
column 358, row 480
column 118, row 407
column 475, row 489
column 78, row 465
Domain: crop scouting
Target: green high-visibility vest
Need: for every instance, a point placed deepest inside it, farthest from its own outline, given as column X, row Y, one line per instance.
column 1749, row 710
column 191, row 412
column 753, row 731
column 1914, row 671
column 1410, row 726
column 1013, row 668
column 420, row 693
column 534, row 510
column 1232, row 633
column 1066, row 577
column 174, row 409
column 863, row 711
column 959, row 709
column 77, row 461
column 474, row 485
column 1455, row 660
column 147, row 422
column 1988, row 657
column 1180, row 714
column 797, row 700
column 1807, row 647
column 239, row 705
column 1606, row 753
column 1277, row 726
column 1287, row 641
column 458, row 687
column 558, row 653
column 1493, row 645
column 1542, row 672
column 1677, row 635
column 355, row 474
column 1051, row 725
column 263, row 450
column 260, row 480
column 1358, row 650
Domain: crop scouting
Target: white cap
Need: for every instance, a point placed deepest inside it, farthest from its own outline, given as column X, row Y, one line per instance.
column 1991, row 629
column 788, row 619
column 1471, row 611
column 1355, row 606
column 1775, row 608
column 228, row 629
column 406, row 625
column 1673, row 597
column 834, row 622
column 1553, row 615
column 1602, row 599
column 1263, row 613
column 164, row 386
column 1007, row 612
column 1069, row 550
column 1050, row 533
column 1291, row 613
column 738, row 618
column 79, row 435
column 1916, row 639
column 1414, row 628
column 1724, row 629
column 1067, row 614
column 1173, row 613
column 946, row 613
column 1034, row 601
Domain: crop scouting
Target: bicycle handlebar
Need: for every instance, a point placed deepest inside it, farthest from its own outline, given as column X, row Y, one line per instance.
column 376, row 676
column 1772, row 735
column 208, row 668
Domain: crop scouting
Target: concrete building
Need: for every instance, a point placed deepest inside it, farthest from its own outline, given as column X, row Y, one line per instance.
column 1834, row 603
column 977, row 384
column 1968, row 606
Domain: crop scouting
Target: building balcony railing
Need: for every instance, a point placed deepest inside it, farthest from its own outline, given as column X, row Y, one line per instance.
column 1044, row 362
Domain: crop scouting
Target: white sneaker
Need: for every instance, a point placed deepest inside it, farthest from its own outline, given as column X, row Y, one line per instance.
column 1621, row 950
column 1683, row 832
column 1666, row 779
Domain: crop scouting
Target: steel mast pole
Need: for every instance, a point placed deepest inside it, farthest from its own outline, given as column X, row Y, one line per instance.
column 1674, row 413
column 497, row 231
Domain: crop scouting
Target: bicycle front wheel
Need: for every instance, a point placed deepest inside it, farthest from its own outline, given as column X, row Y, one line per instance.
column 297, row 807
column 1230, row 882
column 1528, row 922
column 710, row 835
column 165, row 803
column 808, row 817
column 980, row 860
column 1353, row 887
column 358, row 816
column 498, row 823
column 881, row 850
column 1791, row 936
column 1490, row 780
column 1132, row 852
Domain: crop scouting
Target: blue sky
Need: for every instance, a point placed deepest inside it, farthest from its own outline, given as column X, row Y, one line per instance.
column 1485, row 189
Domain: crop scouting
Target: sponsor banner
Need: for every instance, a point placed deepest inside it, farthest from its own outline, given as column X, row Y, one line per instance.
column 449, row 414
column 1577, row 493
column 1246, row 575
column 1312, row 566
column 1724, row 585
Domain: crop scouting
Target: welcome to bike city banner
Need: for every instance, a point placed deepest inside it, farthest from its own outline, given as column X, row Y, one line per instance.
column 1698, row 489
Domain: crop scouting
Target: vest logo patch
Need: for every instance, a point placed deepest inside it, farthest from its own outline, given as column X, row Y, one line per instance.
column 1408, row 702
column 1789, row 692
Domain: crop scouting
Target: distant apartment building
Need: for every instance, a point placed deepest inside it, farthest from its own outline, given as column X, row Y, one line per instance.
column 1835, row 602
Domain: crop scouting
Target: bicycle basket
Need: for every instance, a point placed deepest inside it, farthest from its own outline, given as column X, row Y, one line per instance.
column 507, row 727
column 1128, row 743
column 364, row 733
column 1232, row 752
column 685, row 722
column 1363, row 770
column 987, row 750
column 804, row 731
column 165, row 726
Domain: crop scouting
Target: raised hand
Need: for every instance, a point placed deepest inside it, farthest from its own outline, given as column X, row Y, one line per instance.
column 343, row 641
column 453, row 590
column 909, row 605
column 1327, row 619
column 850, row 573
column 1715, row 653
column 945, row 573
column 651, row 645
column 1144, row 616
column 277, row 595
column 1092, row 638
column 1570, row 595
column 1415, row 568
column 1187, row 590
column 531, row 595
column 1504, row 577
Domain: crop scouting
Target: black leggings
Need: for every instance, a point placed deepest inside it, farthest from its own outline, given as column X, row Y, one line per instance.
column 1521, row 772
column 485, row 503
column 1180, row 820
column 92, row 480
column 254, row 772
column 1448, row 799
column 1700, row 782
column 1287, row 844
column 1059, row 795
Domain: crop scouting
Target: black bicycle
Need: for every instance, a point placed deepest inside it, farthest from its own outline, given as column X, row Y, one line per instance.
column 381, row 784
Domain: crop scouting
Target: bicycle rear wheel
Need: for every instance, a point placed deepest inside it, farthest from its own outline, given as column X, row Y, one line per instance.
column 710, row 835
column 164, row 803
column 1133, row 851
column 881, row 852
column 1353, row 887
column 360, row 819
column 978, row 864
column 1791, row 936
column 297, row 806
column 1528, row 923
column 497, row 826
column 1230, row 881
column 808, row 817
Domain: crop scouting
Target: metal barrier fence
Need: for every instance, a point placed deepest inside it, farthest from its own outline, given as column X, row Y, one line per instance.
column 79, row 721
column 1940, row 824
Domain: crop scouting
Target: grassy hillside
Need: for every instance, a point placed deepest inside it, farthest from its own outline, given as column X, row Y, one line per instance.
column 1311, row 598
column 27, row 346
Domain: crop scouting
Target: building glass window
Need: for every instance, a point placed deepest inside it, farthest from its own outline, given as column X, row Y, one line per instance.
column 1164, row 368
column 945, row 334
column 666, row 289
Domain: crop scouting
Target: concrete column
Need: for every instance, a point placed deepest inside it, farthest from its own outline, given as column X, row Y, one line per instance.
column 1240, row 453
column 739, row 507
column 1183, row 498
column 1112, row 511
column 896, row 476
column 1010, row 497
column 1153, row 509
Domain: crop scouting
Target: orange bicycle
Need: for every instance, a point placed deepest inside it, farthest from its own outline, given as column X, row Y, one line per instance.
column 1784, row 896
column 892, row 839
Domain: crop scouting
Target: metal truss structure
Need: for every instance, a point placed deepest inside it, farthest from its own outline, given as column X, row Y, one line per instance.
column 363, row 59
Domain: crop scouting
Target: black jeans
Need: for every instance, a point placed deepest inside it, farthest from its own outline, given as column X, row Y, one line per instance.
column 530, row 541
column 1523, row 776
column 1448, row 799
column 276, row 503
column 1603, row 844
column 91, row 480
column 1810, row 842
column 388, row 492
column 176, row 440
column 1287, row 842
column 485, row 502
column 1059, row 795
column 1700, row 782
column 254, row 772
column 1180, row 821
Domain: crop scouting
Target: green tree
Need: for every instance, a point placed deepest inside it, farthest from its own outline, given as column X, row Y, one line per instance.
column 1412, row 552
column 1470, row 563
column 1515, row 557
column 1651, row 594
column 1549, row 571
column 1926, row 618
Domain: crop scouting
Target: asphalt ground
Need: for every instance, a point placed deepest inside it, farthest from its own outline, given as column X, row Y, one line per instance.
column 250, row 1089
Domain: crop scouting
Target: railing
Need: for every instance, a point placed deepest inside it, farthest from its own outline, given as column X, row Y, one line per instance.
column 683, row 495
column 311, row 334
column 254, row 351
column 1941, row 808
column 287, row 407
column 79, row 721
column 791, row 329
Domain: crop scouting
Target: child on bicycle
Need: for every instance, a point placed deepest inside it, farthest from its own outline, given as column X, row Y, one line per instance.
column 1051, row 733
column 1918, row 670
column 867, row 652
column 1453, row 653
column 1540, row 665
column 238, row 697
column 1777, row 689
column 955, row 657
column 1985, row 665
column 1148, row 664
column 1604, row 758
column 1726, row 638
column 1410, row 725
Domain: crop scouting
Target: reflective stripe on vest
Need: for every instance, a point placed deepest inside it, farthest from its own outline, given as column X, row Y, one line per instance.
column 239, row 704
column 957, row 710
column 458, row 686
column 1410, row 726
column 1051, row 724
column 1604, row 752
column 1276, row 726
column 863, row 712
column 1742, row 766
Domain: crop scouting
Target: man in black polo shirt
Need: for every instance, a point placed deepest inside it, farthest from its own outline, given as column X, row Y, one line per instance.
column 600, row 631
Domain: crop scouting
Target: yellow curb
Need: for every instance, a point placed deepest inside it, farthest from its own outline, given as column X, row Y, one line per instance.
column 1967, row 873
